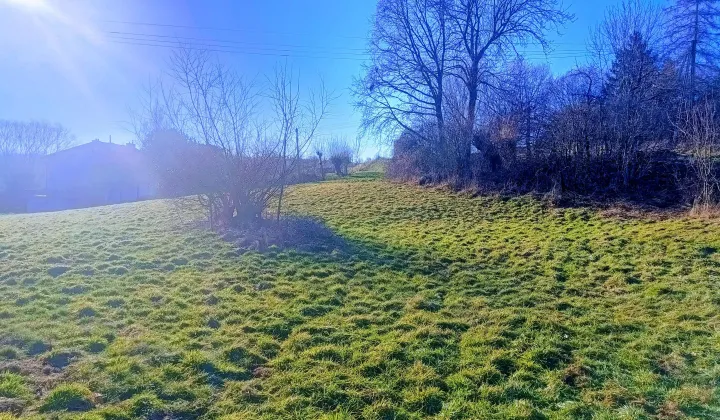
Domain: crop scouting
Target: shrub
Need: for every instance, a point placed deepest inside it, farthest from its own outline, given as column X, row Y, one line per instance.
column 340, row 155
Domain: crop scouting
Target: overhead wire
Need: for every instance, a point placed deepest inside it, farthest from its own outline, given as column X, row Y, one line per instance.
column 234, row 46
column 175, row 37
column 285, row 52
column 190, row 47
column 214, row 28
column 179, row 43
column 166, row 25
column 271, row 49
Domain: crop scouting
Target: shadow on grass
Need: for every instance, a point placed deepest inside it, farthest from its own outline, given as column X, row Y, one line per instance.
column 304, row 235
column 528, row 315
column 310, row 236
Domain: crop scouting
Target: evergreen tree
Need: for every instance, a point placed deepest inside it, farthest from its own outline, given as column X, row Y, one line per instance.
column 633, row 96
column 634, row 72
column 694, row 40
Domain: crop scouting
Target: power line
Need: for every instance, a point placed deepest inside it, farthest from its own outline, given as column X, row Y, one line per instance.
column 140, row 41
column 115, row 33
column 330, row 49
column 278, row 50
column 290, row 53
column 343, row 127
column 149, row 44
column 215, row 28
column 272, row 47
column 211, row 28
column 177, row 43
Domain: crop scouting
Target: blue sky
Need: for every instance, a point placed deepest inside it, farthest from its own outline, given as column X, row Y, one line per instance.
column 60, row 60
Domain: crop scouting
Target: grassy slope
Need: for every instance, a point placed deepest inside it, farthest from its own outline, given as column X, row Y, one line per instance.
column 424, row 304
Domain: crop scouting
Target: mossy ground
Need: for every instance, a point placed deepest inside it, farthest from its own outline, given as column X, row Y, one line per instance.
column 424, row 303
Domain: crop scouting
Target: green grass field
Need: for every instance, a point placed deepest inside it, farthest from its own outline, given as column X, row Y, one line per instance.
column 411, row 303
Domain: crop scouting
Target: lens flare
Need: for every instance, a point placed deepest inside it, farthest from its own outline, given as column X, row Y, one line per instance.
column 36, row 6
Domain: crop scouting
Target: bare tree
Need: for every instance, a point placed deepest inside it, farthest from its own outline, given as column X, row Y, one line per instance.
column 418, row 45
column 403, row 84
column 340, row 154
column 621, row 23
column 575, row 124
column 292, row 117
column 699, row 130
column 604, row 129
column 157, row 111
column 320, row 154
column 357, row 147
column 693, row 37
column 522, row 98
column 235, row 162
column 485, row 31
column 22, row 146
column 32, row 138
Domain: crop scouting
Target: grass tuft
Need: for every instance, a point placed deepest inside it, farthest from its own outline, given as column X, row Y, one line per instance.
column 13, row 385
column 68, row 397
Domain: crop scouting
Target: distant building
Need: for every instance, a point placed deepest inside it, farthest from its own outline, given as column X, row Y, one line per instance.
column 21, row 177
column 91, row 174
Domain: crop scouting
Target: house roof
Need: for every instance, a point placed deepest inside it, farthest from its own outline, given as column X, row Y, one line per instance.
column 97, row 146
column 97, row 156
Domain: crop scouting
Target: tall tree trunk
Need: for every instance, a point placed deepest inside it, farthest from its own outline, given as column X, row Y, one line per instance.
column 693, row 52
column 472, row 87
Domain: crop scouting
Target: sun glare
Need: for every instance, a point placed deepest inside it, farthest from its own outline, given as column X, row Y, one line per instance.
column 61, row 35
column 37, row 6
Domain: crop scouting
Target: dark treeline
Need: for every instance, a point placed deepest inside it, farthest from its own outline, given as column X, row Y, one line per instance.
column 461, row 105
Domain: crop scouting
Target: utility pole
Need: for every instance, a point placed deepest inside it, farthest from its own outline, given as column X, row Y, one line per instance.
column 282, row 174
column 297, row 153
